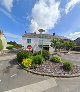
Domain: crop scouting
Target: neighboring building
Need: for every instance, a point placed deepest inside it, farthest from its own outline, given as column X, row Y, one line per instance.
column 36, row 41
column 77, row 41
column 4, row 41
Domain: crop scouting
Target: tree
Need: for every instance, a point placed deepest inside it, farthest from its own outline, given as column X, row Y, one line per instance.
column 72, row 44
column 1, row 45
column 68, row 45
column 57, row 43
column 12, row 43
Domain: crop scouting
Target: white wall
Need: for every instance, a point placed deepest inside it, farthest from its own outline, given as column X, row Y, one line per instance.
column 4, row 41
column 35, row 42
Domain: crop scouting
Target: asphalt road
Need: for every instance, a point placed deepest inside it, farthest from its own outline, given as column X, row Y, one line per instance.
column 75, row 58
column 12, row 77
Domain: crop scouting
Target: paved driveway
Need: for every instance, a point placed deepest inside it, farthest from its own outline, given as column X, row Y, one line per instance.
column 75, row 58
column 15, row 79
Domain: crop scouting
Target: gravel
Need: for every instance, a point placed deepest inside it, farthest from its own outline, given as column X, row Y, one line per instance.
column 55, row 69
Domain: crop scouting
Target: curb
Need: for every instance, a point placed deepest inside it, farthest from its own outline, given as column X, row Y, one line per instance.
column 50, row 75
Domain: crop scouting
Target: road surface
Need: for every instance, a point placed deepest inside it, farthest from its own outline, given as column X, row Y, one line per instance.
column 15, row 79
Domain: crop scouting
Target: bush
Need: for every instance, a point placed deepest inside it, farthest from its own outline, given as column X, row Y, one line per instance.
column 36, row 53
column 33, row 66
column 10, row 47
column 23, row 55
column 38, row 59
column 30, row 54
column 56, row 59
column 45, row 54
column 68, row 66
column 27, row 62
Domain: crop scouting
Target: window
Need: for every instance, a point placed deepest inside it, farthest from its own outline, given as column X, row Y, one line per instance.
column 28, row 40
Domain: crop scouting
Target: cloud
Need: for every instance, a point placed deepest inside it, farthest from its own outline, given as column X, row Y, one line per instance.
column 74, row 35
column 12, row 35
column 7, row 4
column 75, row 27
column 8, row 15
column 45, row 14
column 70, row 5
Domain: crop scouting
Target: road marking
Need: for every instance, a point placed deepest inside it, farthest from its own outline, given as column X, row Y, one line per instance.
column 36, row 87
column 13, row 75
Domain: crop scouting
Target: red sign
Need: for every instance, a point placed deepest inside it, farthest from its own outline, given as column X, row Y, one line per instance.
column 29, row 49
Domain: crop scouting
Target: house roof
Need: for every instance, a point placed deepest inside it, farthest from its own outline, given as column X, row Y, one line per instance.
column 47, row 36
column 34, row 35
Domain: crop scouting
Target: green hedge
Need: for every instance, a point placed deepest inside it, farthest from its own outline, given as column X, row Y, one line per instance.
column 45, row 54
column 10, row 47
column 23, row 55
column 38, row 59
column 27, row 62
column 68, row 66
column 56, row 59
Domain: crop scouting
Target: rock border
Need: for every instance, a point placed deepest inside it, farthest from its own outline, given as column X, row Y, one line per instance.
column 50, row 75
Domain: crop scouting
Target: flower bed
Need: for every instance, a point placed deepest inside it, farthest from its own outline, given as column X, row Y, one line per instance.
column 55, row 68
column 52, row 67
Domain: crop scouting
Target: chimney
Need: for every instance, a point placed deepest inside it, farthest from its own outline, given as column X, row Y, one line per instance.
column 53, row 34
column 25, row 32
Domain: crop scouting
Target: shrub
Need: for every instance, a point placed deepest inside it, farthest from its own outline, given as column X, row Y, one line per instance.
column 38, row 59
column 18, row 46
column 36, row 53
column 30, row 54
column 23, row 55
column 33, row 66
column 27, row 62
column 68, row 66
column 45, row 54
column 10, row 47
column 56, row 59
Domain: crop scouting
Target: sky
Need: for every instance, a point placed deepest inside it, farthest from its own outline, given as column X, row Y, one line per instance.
column 61, row 17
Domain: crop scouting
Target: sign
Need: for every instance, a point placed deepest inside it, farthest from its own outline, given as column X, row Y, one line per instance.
column 29, row 49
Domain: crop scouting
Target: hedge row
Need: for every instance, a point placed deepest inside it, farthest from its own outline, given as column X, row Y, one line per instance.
column 77, row 48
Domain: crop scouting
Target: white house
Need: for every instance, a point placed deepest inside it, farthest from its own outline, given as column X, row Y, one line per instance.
column 4, row 41
column 37, row 41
